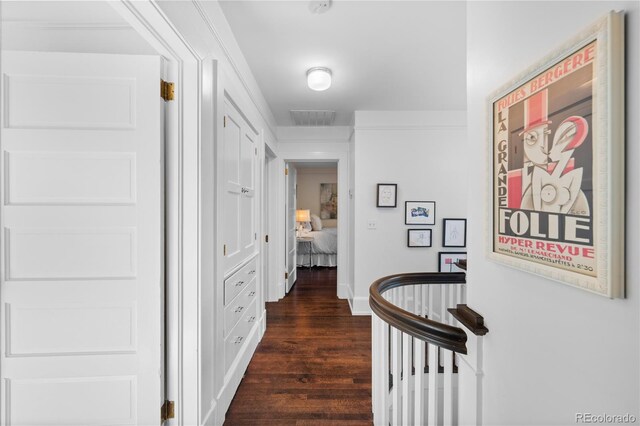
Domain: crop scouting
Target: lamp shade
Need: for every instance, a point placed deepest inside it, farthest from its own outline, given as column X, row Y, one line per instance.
column 303, row 216
column 319, row 78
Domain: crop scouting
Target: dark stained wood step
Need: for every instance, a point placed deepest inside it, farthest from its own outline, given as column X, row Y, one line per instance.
column 313, row 366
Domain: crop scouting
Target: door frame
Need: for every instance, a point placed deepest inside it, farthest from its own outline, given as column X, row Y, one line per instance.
column 269, row 224
column 182, row 178
column 342, row 160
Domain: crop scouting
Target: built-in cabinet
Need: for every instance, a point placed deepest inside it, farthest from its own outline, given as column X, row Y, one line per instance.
column 240, row 309
column 239, row 288
column 240, row 151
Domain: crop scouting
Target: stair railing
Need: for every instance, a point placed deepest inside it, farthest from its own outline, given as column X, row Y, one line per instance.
column 419, row 350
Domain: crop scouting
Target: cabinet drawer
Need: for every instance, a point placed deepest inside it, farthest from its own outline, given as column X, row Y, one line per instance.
column 239, row 280
column 233, row 343
column 237, row 307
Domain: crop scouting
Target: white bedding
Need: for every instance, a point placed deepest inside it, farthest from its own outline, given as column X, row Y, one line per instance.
column 324, row 248
column 325, row 241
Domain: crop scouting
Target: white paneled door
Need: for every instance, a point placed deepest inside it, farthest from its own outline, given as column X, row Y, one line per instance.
column 82, row 240
column 292, row 243
column 239, row 174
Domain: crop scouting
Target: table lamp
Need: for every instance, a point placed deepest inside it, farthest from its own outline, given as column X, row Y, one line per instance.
column 302, row 216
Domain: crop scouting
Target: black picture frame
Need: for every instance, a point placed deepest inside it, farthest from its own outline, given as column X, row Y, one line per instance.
column 416, row 240
column 452, row 235
column 447, row 259
column 419, row 212
column 382, row 201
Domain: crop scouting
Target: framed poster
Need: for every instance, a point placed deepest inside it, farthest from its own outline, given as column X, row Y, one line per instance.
column 557, row 144
column 454, row 233
column 447, row 261
column 387, row 195
column 420, row 213
column 418, row 237
column 328, row 201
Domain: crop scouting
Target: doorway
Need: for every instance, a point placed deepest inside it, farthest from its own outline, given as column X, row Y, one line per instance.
column 311, row 216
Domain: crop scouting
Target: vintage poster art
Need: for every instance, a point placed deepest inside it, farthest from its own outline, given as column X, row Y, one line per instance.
column 557, row 148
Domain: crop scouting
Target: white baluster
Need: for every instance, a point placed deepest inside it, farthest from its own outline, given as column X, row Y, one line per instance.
column 396, row 391
column 406, row 378
column 433, row 385
column 419, row 364
column 375, row 364
column 384, row 380
column 448, row 392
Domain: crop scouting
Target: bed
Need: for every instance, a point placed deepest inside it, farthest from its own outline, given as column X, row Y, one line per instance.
column 324, row 248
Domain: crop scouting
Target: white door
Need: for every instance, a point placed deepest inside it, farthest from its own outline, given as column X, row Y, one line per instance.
column 81, row 278
column 291, row 180
column 239, row 163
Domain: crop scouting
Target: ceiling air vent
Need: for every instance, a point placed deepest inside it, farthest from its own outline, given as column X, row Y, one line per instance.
column 313, row 117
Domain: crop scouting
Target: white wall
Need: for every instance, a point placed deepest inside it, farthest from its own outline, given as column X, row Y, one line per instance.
column 422, row 153
column 309, row 181
column 551, row 350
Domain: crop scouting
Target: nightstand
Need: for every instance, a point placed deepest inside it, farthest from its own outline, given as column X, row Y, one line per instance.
column 308, row 240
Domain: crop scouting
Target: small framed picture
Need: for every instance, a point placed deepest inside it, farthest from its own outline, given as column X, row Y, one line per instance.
column 455, row 233
column 419, row 238
column 447, row 261
column 420, row 213
column 387, row 195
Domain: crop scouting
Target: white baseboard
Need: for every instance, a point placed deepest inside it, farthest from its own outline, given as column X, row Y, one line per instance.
column 263, row 323
column 275, row 293
column 358, row 305
column 344, row 291
column 237, row 370
column 210, row 417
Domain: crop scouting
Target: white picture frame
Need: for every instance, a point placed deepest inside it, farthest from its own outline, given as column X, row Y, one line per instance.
column 420, row 212
column 574, row 233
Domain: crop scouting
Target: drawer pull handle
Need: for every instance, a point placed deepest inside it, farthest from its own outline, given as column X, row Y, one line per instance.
column 238, row 340
column 252, row 272
column 253, row 293
column 251, row 319
column 239, row 283
column 239, row 309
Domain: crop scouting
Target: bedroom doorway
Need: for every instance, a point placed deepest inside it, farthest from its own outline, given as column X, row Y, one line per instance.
column 311, row 217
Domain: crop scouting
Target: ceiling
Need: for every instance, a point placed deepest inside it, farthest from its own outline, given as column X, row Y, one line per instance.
column 384, row 55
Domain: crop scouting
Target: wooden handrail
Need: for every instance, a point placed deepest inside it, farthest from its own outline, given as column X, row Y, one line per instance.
column 439, row 334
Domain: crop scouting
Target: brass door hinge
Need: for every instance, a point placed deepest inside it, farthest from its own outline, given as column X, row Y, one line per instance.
column 167, row 411
column 286, row 172
column 266, row 238
column 224, row 121
column 167, row 90
column 286, row 275
column 224, row 250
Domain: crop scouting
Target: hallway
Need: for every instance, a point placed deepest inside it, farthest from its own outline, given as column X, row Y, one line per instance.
column 313, row 365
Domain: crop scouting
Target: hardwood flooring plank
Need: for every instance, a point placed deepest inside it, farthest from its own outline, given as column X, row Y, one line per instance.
column 313, row 366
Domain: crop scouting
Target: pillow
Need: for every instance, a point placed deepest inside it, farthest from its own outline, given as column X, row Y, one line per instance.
column 316, row 223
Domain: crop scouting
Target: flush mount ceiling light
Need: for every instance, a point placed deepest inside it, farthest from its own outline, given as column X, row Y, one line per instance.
column 319, row 78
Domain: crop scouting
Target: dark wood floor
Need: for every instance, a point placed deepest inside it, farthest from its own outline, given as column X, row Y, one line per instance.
column 313, row 366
